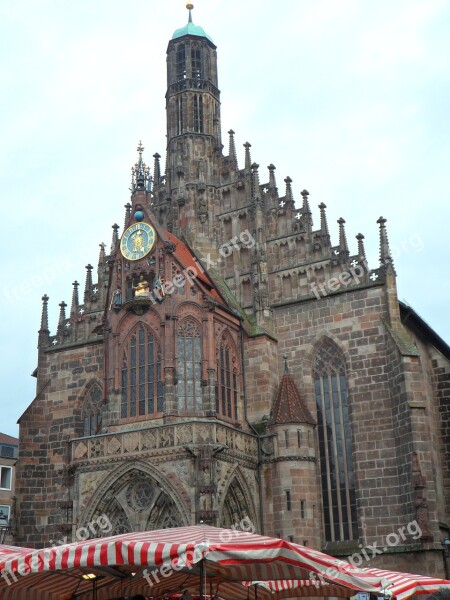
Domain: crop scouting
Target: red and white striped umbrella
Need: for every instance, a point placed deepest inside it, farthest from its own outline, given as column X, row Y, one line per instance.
column 217, row 555
column 405, row 585
column 8, row 551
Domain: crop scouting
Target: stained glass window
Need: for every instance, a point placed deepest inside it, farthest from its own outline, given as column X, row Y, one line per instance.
column 92, row 415
column 338, row 485
column 189, row 390
column 141, row 376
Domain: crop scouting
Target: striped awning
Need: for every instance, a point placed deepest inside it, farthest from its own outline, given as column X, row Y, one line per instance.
column 153, row 558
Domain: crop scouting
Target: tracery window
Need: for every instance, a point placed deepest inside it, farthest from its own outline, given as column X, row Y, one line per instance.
column 227, row 389
column 189, row 390
column 142, row 386
column 92, row 415
column 338, row 484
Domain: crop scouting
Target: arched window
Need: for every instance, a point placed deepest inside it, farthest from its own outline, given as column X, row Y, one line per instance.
column 189, row 390
column 196, row 63
column 227, row 389
column 92, row 416
column 338, row 484
column 142, row 387
column 181, row 62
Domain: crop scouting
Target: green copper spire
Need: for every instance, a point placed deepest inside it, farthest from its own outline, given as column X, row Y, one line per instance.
column 190, row 28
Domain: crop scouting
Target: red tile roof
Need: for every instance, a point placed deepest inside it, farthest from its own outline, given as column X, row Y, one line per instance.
column 187, row 259
column 289, row 406
column 8, row 439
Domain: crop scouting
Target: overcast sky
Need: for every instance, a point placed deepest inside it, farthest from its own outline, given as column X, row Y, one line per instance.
column 350, row 98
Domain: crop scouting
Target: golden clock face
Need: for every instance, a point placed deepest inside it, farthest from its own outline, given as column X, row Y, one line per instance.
column 137, row 241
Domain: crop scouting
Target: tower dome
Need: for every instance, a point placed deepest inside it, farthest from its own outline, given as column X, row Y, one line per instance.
column 190, row 28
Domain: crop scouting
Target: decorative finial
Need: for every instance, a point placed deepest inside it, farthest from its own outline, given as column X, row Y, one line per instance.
column 190, row 6
column 286, row 369
column 140, row 148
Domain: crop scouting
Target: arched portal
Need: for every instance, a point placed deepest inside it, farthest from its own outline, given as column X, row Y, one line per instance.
column 137, row 501
column 236, row 508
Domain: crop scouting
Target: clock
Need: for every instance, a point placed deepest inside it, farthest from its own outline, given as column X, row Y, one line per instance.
column 137, row 241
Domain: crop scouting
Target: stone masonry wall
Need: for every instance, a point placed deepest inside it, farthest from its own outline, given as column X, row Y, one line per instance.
column 45, row 428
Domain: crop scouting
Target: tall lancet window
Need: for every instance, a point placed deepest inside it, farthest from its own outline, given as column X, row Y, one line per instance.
column 142, row 386
column 180, row 120
column 189, row 390
column 196, row 63
column 338, row 484
column 227, row 389
column 198, row 113
column 181, row 62
column 92, row 414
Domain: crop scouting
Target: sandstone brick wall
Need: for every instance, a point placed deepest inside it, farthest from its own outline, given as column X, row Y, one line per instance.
column 45, row 430
column 382, row 382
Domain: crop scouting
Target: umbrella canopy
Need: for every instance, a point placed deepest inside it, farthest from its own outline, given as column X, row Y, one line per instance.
column 213, row 555
column 9, row 551
column 405, row 585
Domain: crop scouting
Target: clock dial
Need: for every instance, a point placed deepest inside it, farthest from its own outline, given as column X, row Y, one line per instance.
column 137, row 241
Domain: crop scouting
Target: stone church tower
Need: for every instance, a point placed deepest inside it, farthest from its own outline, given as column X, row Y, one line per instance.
column 230, row 361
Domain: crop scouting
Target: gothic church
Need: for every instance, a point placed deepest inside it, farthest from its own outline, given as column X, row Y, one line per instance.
column 226, row 359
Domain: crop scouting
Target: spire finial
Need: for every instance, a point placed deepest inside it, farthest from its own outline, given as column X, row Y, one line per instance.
column 140, row 149
column 323, row 221
column 286, row 368
column 44, row 332
column 288, row 195
column 385, row 253
column 115, row 237
column 248, row 161
column 75, row 300
column 44, row 317
column 361, row 249
column 190, row 6
column 62, row 317
column 88, row 284
column 232, row 148
column 342, row 237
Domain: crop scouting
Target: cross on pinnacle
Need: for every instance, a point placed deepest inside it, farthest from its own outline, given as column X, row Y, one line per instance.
column 140, row 149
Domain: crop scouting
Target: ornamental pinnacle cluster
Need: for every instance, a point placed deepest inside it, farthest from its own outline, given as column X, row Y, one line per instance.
column 229, row 360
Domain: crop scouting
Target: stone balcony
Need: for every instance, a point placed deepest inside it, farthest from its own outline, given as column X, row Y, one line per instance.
column 161, row 439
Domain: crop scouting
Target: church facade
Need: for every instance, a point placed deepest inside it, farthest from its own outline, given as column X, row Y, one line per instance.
column 226, row 363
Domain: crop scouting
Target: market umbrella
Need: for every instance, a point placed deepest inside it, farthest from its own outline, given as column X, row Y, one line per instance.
column 211, row 554
column 405, row 585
